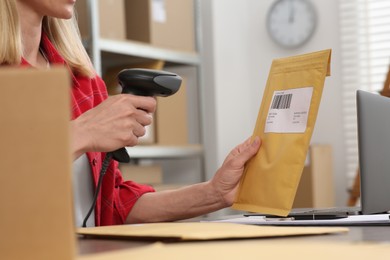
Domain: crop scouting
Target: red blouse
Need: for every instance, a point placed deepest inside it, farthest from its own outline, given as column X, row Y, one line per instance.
column 117, row 197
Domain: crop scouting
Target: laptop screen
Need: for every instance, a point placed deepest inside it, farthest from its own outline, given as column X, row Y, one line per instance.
column 373, row 114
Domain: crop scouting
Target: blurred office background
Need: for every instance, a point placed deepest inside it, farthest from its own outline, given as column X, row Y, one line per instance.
column 240, row 51
column 226, row 70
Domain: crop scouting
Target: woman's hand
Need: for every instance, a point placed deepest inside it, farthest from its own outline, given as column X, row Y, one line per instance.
column 196, row 199
column 226, row 179
column 117, row 122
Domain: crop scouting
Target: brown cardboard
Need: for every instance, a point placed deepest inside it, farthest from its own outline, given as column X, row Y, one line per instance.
column 251, row 249
column 315, row 189
column 138, row 20
column 36, row 219
column 83, row 18
column 167, row 23
column 145, row 174
column 171, row 118
column 112, row 19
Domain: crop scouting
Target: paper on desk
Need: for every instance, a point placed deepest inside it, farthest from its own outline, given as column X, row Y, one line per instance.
column 251, row 249
column 285, row 124
column 182, row 231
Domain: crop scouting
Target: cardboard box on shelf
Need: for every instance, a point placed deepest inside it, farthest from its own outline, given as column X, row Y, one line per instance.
column 83, row 20
column 171, row 118
column 145, row 174
column 112, row 19
column 316, row 185
column 163, row 23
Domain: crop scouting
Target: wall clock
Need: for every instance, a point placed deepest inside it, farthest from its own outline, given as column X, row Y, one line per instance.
column 291, row 23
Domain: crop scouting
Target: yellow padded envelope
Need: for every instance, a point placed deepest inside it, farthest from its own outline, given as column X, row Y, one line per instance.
column 285, row 124
column 200, row 231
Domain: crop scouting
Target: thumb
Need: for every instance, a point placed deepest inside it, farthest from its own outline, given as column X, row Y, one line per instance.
column 248, row 150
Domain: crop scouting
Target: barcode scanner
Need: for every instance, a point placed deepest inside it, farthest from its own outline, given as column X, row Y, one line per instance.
column 140, row 82
column 145, row 82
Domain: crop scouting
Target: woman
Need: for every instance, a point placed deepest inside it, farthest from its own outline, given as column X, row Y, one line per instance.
column 42, row 33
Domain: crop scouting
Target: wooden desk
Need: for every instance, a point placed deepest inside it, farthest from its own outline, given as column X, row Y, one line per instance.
column 376, row 234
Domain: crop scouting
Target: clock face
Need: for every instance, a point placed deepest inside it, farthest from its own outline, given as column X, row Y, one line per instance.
column 291, row 23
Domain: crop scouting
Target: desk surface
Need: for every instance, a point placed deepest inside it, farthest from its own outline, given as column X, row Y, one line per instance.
column 378, row 234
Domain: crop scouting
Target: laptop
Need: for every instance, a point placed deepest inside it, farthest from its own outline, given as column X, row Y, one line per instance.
column 373, row 118
column 373, row 111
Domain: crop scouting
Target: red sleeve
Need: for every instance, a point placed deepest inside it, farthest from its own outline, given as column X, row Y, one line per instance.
column 117, row 197
column 126, row 194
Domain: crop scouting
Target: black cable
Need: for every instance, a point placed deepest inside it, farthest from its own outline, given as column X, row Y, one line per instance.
column 106, row 163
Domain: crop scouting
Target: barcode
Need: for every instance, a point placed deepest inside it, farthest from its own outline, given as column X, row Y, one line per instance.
column 281, row 101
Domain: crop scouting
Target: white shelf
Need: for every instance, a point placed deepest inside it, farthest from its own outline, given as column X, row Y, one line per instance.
column 108, row 53
column 138, row 49
column 165, row 152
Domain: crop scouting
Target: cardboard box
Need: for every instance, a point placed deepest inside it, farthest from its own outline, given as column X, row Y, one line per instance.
column 112, row 19
column 36, row 219
column 163, row 23
column 145, row 174
column 316, row 185
column 83, row 18
column 171, row 118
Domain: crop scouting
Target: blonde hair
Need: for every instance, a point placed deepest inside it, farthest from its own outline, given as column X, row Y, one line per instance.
column 64, row 35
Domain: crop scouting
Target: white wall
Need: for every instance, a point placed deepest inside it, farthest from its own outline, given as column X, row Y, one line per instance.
column 237, row 55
